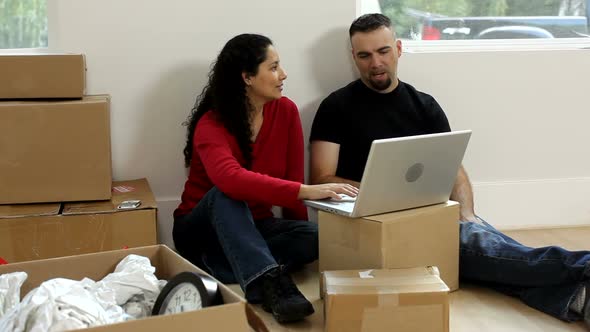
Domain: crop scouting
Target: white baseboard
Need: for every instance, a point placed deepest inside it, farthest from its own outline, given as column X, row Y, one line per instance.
column 543, row 203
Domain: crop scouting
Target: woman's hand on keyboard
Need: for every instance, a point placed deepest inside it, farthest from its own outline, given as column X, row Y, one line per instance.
column 327, row 190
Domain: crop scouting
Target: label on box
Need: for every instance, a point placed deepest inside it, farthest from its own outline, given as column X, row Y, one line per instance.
column 123, row 189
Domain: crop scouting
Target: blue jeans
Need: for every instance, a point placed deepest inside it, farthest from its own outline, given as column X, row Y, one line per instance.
column 544, row 278
column 221, row 236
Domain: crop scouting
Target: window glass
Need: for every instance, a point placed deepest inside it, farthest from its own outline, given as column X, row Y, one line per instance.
column 23, row 24
column 487, row 19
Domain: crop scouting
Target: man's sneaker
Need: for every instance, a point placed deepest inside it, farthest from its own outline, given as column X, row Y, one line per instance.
column 281, row 297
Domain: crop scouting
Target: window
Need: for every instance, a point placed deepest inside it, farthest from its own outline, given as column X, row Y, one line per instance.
column 488, row 19
column 23, row 23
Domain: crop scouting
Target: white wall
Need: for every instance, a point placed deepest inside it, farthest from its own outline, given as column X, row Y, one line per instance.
column 527, row 156
column 153, row 58
column 529, row 110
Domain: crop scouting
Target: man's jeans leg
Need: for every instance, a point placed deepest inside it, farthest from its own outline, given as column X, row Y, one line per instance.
column 231, row 247
column 544, row 278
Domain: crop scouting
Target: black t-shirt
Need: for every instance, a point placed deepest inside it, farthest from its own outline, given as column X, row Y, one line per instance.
column 355, row 115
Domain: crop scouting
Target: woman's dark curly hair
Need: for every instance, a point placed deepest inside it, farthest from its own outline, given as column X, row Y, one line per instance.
column 225, row 92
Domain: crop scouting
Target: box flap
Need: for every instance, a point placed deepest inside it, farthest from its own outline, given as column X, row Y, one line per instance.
column 38, row 102
column 392, row 216
column 29, row 210
column 384, row 281
column 122, row 191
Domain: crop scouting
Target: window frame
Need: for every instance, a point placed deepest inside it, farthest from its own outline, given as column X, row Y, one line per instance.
column 427, row 46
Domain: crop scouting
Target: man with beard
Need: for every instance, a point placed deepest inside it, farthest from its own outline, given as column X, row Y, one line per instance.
column 379, row 105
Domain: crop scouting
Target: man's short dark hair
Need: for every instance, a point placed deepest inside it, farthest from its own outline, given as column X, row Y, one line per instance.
column 368, row 23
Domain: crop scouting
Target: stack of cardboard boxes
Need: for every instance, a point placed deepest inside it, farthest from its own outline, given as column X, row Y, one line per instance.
column 55, row 149
column 399, row 293
column 57, row 197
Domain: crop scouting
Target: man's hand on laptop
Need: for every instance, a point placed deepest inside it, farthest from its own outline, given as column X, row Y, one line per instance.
column 327, row 190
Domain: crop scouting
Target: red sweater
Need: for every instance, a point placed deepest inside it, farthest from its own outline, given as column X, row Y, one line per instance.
column 277, row 164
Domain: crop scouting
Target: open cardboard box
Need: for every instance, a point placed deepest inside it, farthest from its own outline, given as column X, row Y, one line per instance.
column 234, row 315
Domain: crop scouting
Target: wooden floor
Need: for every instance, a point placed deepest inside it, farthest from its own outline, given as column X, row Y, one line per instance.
column 472, row 308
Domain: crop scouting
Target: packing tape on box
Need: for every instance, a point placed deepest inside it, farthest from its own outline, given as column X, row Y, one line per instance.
column 387, row 300
column 402, row 315
column 368, row 274
column 348, row 316
column 385, row 289
column 389, row 281
column 383, row 285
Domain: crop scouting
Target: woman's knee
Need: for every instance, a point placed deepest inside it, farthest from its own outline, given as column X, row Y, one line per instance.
column 307, row 231
column 217, row 198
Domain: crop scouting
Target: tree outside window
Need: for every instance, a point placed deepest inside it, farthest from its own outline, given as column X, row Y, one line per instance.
column 23, row 23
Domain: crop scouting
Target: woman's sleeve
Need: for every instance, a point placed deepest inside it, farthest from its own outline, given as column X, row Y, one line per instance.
column 226, row 173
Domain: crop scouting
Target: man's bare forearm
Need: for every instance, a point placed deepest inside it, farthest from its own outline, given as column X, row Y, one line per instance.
column 463, row 193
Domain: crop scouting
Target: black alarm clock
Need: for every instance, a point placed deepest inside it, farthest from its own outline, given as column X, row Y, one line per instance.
column 187, row 291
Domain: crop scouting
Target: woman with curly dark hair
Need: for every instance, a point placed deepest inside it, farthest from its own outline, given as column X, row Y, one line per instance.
column 245, row 152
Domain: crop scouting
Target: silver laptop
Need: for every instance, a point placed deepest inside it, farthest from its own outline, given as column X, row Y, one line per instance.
column 403, row 173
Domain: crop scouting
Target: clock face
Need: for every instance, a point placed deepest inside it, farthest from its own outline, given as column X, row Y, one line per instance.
column 186, row 291
column 184, row 297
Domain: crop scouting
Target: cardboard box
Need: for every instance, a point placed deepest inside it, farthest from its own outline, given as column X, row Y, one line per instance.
column 39, row 231
column 427, row 236
column 403, row 300
column 26, row 76
column 55, row 151
column 233, row 315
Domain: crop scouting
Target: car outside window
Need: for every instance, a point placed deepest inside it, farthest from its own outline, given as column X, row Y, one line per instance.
column 487, row 19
